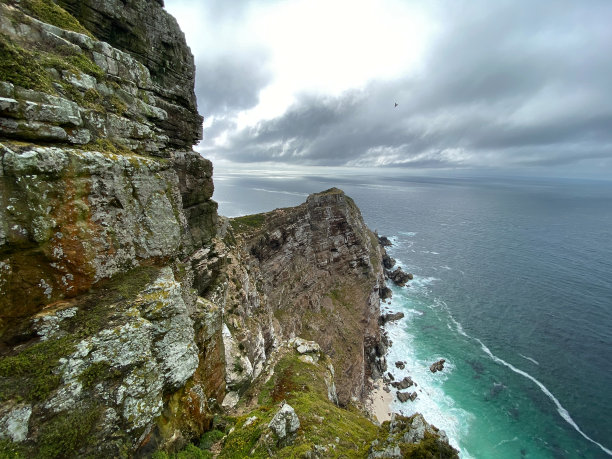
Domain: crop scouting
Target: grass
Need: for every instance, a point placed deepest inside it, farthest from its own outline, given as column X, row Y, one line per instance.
column 247, row 222
column 302, row 385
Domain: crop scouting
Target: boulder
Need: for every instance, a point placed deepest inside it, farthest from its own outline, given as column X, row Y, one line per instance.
column 437, row 366
column 405, row 396
column 388, row 262
column 398, row 276
column 384, row 241
column 399, row 364
column 285, row 421
column 384, row 318
column 404, row 383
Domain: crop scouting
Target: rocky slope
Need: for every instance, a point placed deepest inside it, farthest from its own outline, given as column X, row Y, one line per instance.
column 133, row 319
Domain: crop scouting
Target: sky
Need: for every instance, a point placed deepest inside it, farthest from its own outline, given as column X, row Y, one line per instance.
column 506, row 87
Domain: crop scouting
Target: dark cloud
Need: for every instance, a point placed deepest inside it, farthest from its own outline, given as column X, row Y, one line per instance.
column 505, row 84
column 231, row 83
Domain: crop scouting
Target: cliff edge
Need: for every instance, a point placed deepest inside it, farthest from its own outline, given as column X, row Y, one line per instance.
column 134, row 321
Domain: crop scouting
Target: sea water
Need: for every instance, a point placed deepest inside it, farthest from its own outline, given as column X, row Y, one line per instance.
column 512, row 287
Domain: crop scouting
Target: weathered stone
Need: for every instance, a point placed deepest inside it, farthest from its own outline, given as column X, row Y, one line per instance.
column 153, row 37
column 401, row 365
column 14, row 422
column 404, row 383
column 437, row 366
column 238, row 367
column 284, row 422
column 405, row 396
column 390, row 317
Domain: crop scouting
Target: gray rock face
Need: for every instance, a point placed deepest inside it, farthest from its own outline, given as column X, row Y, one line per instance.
column 320, row 259
column 238, row 367
column 284, row 422
column 14, row 422
column 149, row 34
column 98, row 91
column 153, row 343
column 93, row 214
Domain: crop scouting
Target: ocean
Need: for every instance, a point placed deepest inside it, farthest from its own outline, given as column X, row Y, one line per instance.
column 512, row 287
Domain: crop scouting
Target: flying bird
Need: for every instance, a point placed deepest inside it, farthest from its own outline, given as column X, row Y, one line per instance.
column 396, row 104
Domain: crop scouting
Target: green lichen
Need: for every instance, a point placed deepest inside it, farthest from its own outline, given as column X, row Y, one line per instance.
column 21, row 67
column 47, row 11
column 32, row 374
column 117, row 105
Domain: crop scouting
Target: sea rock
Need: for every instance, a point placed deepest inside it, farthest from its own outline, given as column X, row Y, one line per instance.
column 388, row 262
column 390, row 317
column 437, row 366
column 385, row 292
column 401, row 365
column 405, row 396
column 399, row 277
column 285, row 421
column 404, row 383
column 384, row 241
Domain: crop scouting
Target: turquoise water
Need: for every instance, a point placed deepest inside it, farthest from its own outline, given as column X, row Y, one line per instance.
column 513, row 287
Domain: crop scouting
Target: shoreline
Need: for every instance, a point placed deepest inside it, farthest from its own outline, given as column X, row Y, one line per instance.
column 378, row 403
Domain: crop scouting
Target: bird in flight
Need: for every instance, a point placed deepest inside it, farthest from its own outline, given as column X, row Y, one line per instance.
column 396, row 104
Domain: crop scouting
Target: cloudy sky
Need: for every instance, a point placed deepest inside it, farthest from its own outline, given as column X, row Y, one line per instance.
column 510, row 87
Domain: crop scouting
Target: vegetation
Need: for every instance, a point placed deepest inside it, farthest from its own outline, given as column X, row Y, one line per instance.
column 247, row 222
column 51, row 13
column 21, row 67
column 31, row 374
column 68, row 432
column 302, row 385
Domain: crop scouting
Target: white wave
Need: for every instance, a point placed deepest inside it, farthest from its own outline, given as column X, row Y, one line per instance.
column 530, row 359
column 407, row 233
column 448, row 268
column 432, row 402
column 503, row 442
column 562, row 411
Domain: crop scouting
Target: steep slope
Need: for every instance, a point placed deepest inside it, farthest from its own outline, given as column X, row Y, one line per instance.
column 318, row 269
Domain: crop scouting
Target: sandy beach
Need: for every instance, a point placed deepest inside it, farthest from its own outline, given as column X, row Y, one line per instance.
column 379, row 402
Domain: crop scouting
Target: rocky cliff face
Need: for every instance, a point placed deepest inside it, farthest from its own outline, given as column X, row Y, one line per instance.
column 106, row 348
column 132, row 318
column 317, row 269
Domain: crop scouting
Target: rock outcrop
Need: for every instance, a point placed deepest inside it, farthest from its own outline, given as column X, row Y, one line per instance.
column 318, row 269
column 437, row 366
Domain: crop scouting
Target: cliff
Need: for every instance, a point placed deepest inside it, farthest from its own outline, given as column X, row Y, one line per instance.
column 133, row 319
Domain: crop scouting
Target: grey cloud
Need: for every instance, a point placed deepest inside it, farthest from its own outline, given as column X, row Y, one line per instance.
column 506, row 84
column 231, row 83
